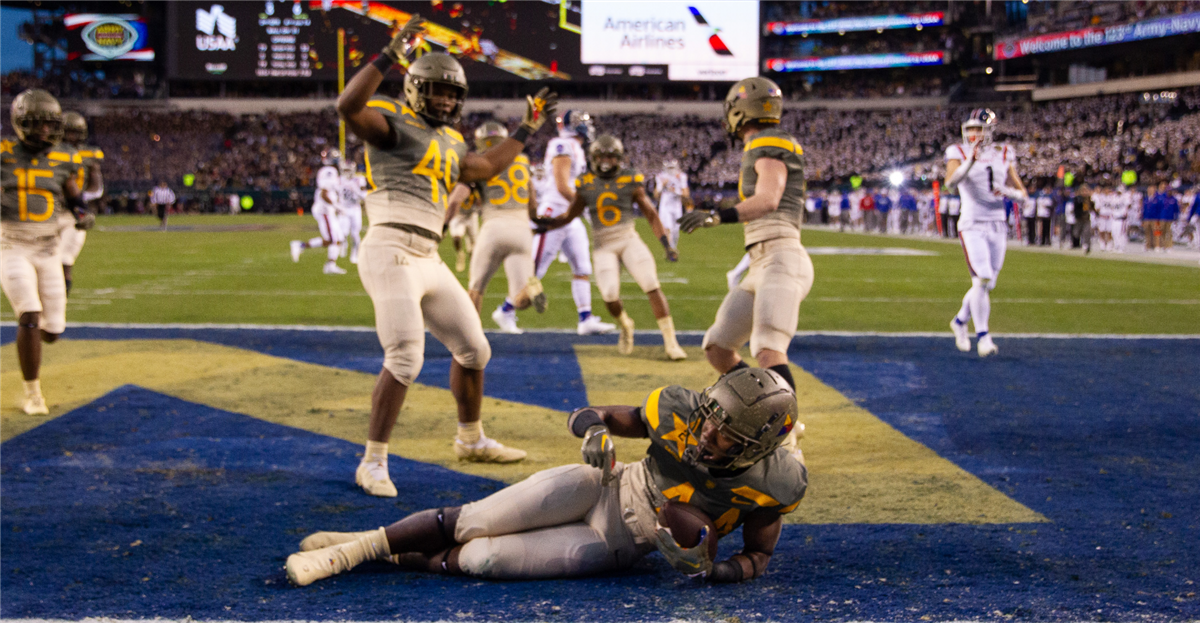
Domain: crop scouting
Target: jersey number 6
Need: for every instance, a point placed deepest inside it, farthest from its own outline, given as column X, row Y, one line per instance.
column 609, row 215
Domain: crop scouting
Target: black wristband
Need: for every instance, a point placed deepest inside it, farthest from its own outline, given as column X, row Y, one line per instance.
column 727, row 571
column 522, row 134
column 583, row 419
column 666, row 242
column 383, row 63
column 728, row 215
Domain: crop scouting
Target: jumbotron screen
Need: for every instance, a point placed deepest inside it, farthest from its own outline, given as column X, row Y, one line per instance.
column 593, row 40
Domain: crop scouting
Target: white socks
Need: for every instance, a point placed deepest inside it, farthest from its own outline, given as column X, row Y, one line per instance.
column 470, row 432
column 33, row 387
column 581, row 291
column 376, row 452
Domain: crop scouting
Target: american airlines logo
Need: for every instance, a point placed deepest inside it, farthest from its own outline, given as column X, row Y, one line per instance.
column 212, row 22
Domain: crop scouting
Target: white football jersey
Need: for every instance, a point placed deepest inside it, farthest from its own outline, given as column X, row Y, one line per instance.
column 1045, row 205
column 672, row 186
column 329, row 179
column 980, row 189
column 351, row 194
column 552, row 203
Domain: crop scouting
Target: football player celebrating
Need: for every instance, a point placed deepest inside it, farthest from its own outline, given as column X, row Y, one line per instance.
column 984, row 174
column 350, row 212
column 326, row 209
column 718, row 450
column 564, row 162
column 38, row 178
column 414, row 157
column 609, row 193
column 89, row 181
column 765, row 307
column 505, row 239
column 673, row 197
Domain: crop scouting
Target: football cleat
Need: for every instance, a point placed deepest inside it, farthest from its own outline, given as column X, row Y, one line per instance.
column 304, row 568
column 320, row 540
column 297, row 247
column 487, row 450
column 986, row 347
column 533, row 288
column 333, row 269
column 625, row 340
column 593, row 326
column 961, row 338
column 35, row 404
column 460, row 263
column 354, row 255
column 507, row 321
column 675, row 352
column 374, row 479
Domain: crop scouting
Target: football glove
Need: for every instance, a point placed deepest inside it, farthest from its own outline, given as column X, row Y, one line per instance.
column 538, row 109
column 696, row 219
column 401, row 44
column 598, row 451
column 84, row 220
column 690, row 561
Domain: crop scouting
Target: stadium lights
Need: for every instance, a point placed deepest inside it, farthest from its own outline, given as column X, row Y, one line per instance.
column 896, row 178
column 988, row 71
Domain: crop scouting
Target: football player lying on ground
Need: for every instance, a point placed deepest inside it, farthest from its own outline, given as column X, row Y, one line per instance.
column 718, row 450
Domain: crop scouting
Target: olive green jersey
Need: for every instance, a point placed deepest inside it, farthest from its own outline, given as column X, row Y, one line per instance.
column 777, row 482
column 783, row 222
column 33, row 186
column 609, row 201
column 410, row 182
column 507, row 194
column 88, row 154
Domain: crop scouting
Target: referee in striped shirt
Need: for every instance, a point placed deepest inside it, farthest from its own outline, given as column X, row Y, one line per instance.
column 162, row 198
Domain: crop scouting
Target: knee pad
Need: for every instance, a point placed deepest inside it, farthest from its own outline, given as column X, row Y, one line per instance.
column 404, row 360
column 475, row 356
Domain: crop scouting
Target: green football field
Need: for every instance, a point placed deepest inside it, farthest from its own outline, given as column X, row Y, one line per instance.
column 237, row 270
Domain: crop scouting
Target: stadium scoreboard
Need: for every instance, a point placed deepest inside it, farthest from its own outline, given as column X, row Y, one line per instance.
column 592, row 40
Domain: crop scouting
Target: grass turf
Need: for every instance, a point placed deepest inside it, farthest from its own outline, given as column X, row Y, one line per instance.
column 236, row 269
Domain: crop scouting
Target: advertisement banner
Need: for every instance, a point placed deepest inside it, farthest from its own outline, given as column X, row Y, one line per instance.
column 699, row 40
column 1091, row 37
column 856, row 61
column 857, row 24
column 100, row 37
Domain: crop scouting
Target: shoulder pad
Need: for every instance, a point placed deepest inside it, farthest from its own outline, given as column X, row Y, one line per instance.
column 784, row 143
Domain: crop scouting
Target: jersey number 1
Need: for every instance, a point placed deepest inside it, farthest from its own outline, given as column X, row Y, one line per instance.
column 27, row 185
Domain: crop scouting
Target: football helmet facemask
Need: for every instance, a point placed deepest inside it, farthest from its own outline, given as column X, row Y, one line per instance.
column 979, row 127
column 37, row 119
column 752, row 407
column 671, row 165
column 331, row 157
column 348, row 169
column 604, row 147
column 752, row 99
column 421, row 87
column 75, row 128
column 577, row 123
column 488, row 135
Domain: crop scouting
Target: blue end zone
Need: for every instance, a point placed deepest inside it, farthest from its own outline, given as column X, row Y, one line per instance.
column 1100, row 436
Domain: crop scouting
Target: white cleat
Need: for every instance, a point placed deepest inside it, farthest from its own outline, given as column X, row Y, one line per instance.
column 594, row 326
column 35, row 404
column 507, row 321
column 487, row 450
column 675, row 352
column 962, row 339
column 374, row 479
column 320, row 540
column 297, row 247
column 304, row 568
column 987, row 347
column 354, row 256
column 333, row 269
column 625, row 340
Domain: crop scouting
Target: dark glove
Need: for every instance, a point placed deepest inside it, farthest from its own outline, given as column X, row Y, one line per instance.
column 538, row 109
column 698, row 218
column 401, row 44
column 598, row 451
column 84, row 220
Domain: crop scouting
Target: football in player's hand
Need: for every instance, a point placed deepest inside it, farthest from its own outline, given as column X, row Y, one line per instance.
column 685, row 522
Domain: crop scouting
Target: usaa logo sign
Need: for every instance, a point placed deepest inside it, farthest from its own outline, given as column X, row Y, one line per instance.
column 218, row 30
column 110, row 38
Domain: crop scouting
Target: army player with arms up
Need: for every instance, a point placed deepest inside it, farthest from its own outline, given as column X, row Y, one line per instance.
column 609, row 193
column 38, row 180
column 765, row 307
column 413, row 158
column 719, row 450
column 89, row 181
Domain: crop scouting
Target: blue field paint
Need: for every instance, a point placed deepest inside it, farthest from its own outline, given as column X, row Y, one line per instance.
column 1099, row 436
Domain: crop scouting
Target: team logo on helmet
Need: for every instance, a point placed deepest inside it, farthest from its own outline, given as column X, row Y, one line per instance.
column 753, row 408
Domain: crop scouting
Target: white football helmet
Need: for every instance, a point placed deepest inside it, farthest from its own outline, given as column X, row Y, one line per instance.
column 348, row 169
column 671, row 165
column 979, row 127
column 330, row 156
